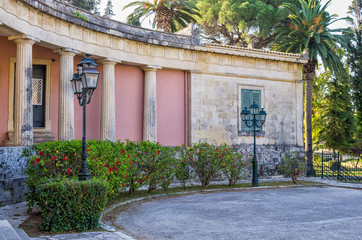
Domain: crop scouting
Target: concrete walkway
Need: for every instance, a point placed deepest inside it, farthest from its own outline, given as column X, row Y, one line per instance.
column 15, row 214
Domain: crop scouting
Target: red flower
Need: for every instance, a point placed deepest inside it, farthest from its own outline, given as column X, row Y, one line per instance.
column 87, row 150
column 126, row 177
column 64, row 157
column 226, row 149
column 110, row 152
column 116, row 169
column 37, row 160
column 158, row 152
column 122, row 184
column 40, row 153
column 117, row 162
column 233, row 167
column 163, row 177
column 110, row 169
column 192, row 160
column 55, row 158
column 105, row 164
column 229, row 180
column 140, row 180
column 32, row 162
column 128, row 156
column 147, row 177
column 123, row 151
column 169, row 182
column 68, row 171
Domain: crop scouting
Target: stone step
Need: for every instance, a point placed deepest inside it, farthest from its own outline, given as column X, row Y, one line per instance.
column 38, row 136
column 7, row 232
column 22, row 234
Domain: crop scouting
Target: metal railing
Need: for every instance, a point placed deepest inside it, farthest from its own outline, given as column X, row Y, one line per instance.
column 330, row 166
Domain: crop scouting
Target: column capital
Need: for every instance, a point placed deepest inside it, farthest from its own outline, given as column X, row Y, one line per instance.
column 67, row 51
column 152, row 68
column 108, row 61
column 24, row 38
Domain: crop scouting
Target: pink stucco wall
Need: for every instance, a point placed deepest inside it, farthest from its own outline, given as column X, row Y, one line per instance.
column 129, row 102
column 8, row 49
column 171, row 107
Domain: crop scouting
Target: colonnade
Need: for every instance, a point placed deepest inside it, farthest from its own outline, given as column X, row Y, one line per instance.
column 23, row 118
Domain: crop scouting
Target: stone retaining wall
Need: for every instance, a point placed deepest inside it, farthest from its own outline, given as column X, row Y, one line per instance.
column 12, row 167
column 269, row 156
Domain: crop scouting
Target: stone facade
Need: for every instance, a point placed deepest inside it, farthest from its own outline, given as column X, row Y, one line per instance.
column 205, row 82
column 12, row 167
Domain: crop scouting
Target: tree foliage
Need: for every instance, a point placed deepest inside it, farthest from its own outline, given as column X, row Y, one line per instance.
column 309, row 32
column 241, row 22
column 334, row 119
column 108, row 11
column 354, row 58
column 168, row 15
column 89, row 5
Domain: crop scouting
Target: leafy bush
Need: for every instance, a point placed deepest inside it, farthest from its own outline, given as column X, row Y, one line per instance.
column 183, row 168
column 235, row 166
column 206, row 160
column 290, row 163
column 71, row 205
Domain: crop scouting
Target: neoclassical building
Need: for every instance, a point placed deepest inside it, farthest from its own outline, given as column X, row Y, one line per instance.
column 153, row 85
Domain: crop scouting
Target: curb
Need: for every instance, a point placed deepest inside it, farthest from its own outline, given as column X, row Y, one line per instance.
column 114, row 206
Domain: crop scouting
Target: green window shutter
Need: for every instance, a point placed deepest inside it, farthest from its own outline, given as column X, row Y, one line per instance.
column 248, row 97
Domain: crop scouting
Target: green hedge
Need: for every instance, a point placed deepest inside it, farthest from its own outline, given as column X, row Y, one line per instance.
column 71, row 205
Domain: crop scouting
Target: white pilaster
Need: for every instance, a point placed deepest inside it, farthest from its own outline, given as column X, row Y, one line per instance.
column 23, row 111
column 150, row 104
column 66, row 95
column 108, row 111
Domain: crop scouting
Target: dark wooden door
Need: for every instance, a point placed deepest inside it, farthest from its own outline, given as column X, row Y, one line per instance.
column 39, row 95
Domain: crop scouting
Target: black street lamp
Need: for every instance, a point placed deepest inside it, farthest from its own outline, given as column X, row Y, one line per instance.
column 254, row 118
column 84, row 83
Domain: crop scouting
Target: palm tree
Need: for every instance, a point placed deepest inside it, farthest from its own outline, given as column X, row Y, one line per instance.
column 309, row 32
column 170, row 15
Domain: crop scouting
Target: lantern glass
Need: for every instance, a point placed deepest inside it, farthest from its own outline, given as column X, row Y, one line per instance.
column 262, row 115
column 245, row 115
column 77, row 84
column 90, row 78
column 254, row 108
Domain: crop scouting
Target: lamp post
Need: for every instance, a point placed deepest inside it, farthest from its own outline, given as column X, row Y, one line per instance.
column 84, row 83
column 254, row 118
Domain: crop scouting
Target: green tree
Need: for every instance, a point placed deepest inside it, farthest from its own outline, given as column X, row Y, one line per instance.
column 338, row 125
column 319, row 97
column 169, row 15
column 309, row 32
column 89, row 5
column 354, row 58
column 108, row 11
column 241, row 22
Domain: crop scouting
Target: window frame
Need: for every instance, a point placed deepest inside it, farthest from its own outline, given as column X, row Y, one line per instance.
column 262, row 100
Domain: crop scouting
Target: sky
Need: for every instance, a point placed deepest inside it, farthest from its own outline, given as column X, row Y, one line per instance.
column 339, row 7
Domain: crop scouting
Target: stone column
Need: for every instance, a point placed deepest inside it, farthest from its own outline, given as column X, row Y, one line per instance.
column 23, row 117
column 108, row 110
column 66, row 95
column 150, row 104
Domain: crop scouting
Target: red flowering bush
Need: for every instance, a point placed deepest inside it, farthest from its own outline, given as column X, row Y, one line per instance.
column 205, row 159
column 235, row 165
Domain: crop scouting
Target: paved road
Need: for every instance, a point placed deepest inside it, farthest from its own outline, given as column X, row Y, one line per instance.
column 299, row 213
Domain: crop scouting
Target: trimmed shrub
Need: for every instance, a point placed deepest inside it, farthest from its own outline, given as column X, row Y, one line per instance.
column 206, row 160
column 290, row 163
column 71, row 205
column 235, row 166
